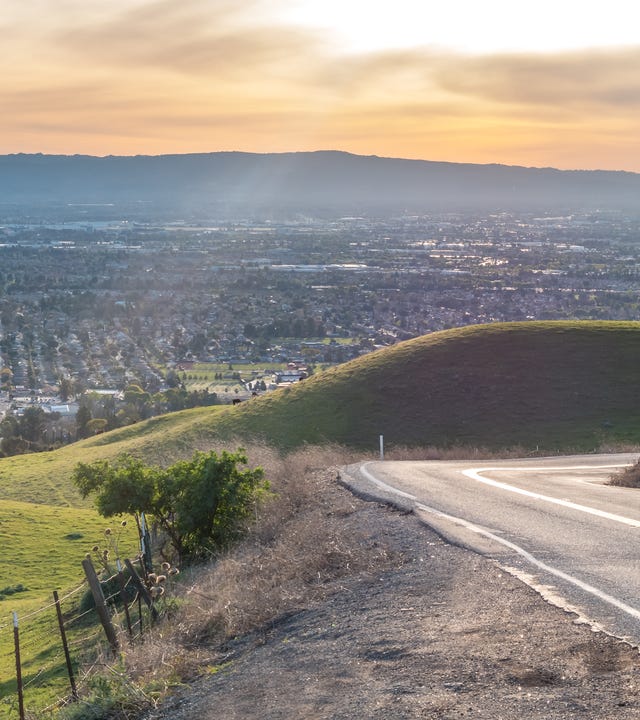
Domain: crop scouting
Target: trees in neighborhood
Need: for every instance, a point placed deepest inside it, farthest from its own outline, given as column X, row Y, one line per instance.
column 25, row 433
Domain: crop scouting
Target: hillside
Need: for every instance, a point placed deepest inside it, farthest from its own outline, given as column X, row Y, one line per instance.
column 235, row 184
column 546, row 385
column 549, row 384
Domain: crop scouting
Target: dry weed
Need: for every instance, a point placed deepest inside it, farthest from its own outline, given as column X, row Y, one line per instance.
column 629, row 477
column 619, row 448
column 464, row 452
column 300, row 544
column 456, row 452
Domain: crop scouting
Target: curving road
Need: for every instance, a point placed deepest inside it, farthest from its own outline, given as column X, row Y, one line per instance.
column 550, row 521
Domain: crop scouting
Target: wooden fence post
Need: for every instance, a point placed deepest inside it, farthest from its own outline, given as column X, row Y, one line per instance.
column 144, row 593
column 16, row 643
column 101, row 605
column 65, row 645
column 123, row 596
column 140, row 612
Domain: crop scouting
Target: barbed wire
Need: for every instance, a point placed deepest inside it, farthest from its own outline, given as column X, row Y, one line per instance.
column 43, row 661
column 83, row 640
column 39, row 611
column 70, row 593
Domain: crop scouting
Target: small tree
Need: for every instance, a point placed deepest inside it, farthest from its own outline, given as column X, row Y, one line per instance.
column 32, row 424
column 83, row 416
column 6, row 376
column 96, row 426
column 66, row 388
column 202, row 504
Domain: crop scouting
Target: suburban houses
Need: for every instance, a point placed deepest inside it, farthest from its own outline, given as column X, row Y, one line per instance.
column 101, row 307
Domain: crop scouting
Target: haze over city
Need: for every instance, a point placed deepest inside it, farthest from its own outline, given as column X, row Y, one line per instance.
column 544, row 84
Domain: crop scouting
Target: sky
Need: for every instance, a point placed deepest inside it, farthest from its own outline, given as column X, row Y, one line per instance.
column 542, row 84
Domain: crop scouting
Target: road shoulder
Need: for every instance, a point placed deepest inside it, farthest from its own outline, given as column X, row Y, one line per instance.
column 439, row 632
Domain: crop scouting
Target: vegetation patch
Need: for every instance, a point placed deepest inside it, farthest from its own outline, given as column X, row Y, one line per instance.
column 200, row 505
column 10, row 590
column 629, row 477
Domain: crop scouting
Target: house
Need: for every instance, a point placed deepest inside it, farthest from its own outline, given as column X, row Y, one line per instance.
column 286, row 377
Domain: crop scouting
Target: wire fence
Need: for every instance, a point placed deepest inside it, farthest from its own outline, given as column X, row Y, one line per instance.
column 49, row 655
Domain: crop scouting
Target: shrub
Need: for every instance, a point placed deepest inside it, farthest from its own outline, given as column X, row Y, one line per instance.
column 629, row 477
column 201, row 504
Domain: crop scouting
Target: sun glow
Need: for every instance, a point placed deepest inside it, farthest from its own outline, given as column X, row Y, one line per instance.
column 556, row 82
column 470, row 26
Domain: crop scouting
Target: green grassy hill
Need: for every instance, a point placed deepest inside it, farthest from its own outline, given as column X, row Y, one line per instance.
column 552, row 385
column 549, row 384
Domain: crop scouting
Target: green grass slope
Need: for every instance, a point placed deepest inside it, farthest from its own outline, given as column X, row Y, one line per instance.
column 44, row 477
column 552, row 385
column 43, row 548
column 549, row 384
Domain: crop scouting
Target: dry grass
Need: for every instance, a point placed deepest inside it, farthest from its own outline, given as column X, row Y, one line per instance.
column 455, row 452
column 618, row 447
column 463, row 452
column 299, row 546
column 629, row 477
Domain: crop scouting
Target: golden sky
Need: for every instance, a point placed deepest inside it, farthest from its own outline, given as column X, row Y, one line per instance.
column 521, row 83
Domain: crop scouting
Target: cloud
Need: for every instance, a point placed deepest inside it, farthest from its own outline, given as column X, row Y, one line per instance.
column 169, row 76
column 561, row 81
column 238, row 46
column 190, row 37
column 573, row 79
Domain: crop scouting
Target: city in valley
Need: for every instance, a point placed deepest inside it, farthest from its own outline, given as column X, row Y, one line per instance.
column 106, row 322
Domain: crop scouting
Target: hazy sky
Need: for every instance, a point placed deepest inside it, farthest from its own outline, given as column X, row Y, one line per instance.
column 545, row 83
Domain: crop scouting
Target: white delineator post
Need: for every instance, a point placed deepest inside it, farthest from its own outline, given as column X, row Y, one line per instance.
column 381, row 447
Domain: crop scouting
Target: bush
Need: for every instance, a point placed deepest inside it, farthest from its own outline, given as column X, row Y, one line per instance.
column 201, row 504
column 12, row 590
column 629, row 477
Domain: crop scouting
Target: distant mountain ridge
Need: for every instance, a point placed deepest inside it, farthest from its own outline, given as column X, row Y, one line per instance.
column 322, row 181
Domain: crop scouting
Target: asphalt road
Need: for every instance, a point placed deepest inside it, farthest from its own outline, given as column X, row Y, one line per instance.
column 550, row 521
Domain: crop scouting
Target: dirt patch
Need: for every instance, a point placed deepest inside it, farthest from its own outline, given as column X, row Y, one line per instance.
column 438, row 633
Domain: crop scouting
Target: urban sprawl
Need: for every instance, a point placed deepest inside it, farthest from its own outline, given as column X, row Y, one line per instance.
column 119, row 320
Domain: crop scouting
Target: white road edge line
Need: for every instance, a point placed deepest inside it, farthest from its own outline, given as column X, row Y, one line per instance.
column 384, row 486
column 474, row 474
column 516, row 548
column 538, row 563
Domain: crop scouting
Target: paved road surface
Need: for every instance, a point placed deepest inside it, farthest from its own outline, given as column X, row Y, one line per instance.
column 551, row 521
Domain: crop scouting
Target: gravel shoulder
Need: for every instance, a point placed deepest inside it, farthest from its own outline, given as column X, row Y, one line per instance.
column 438, row 632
